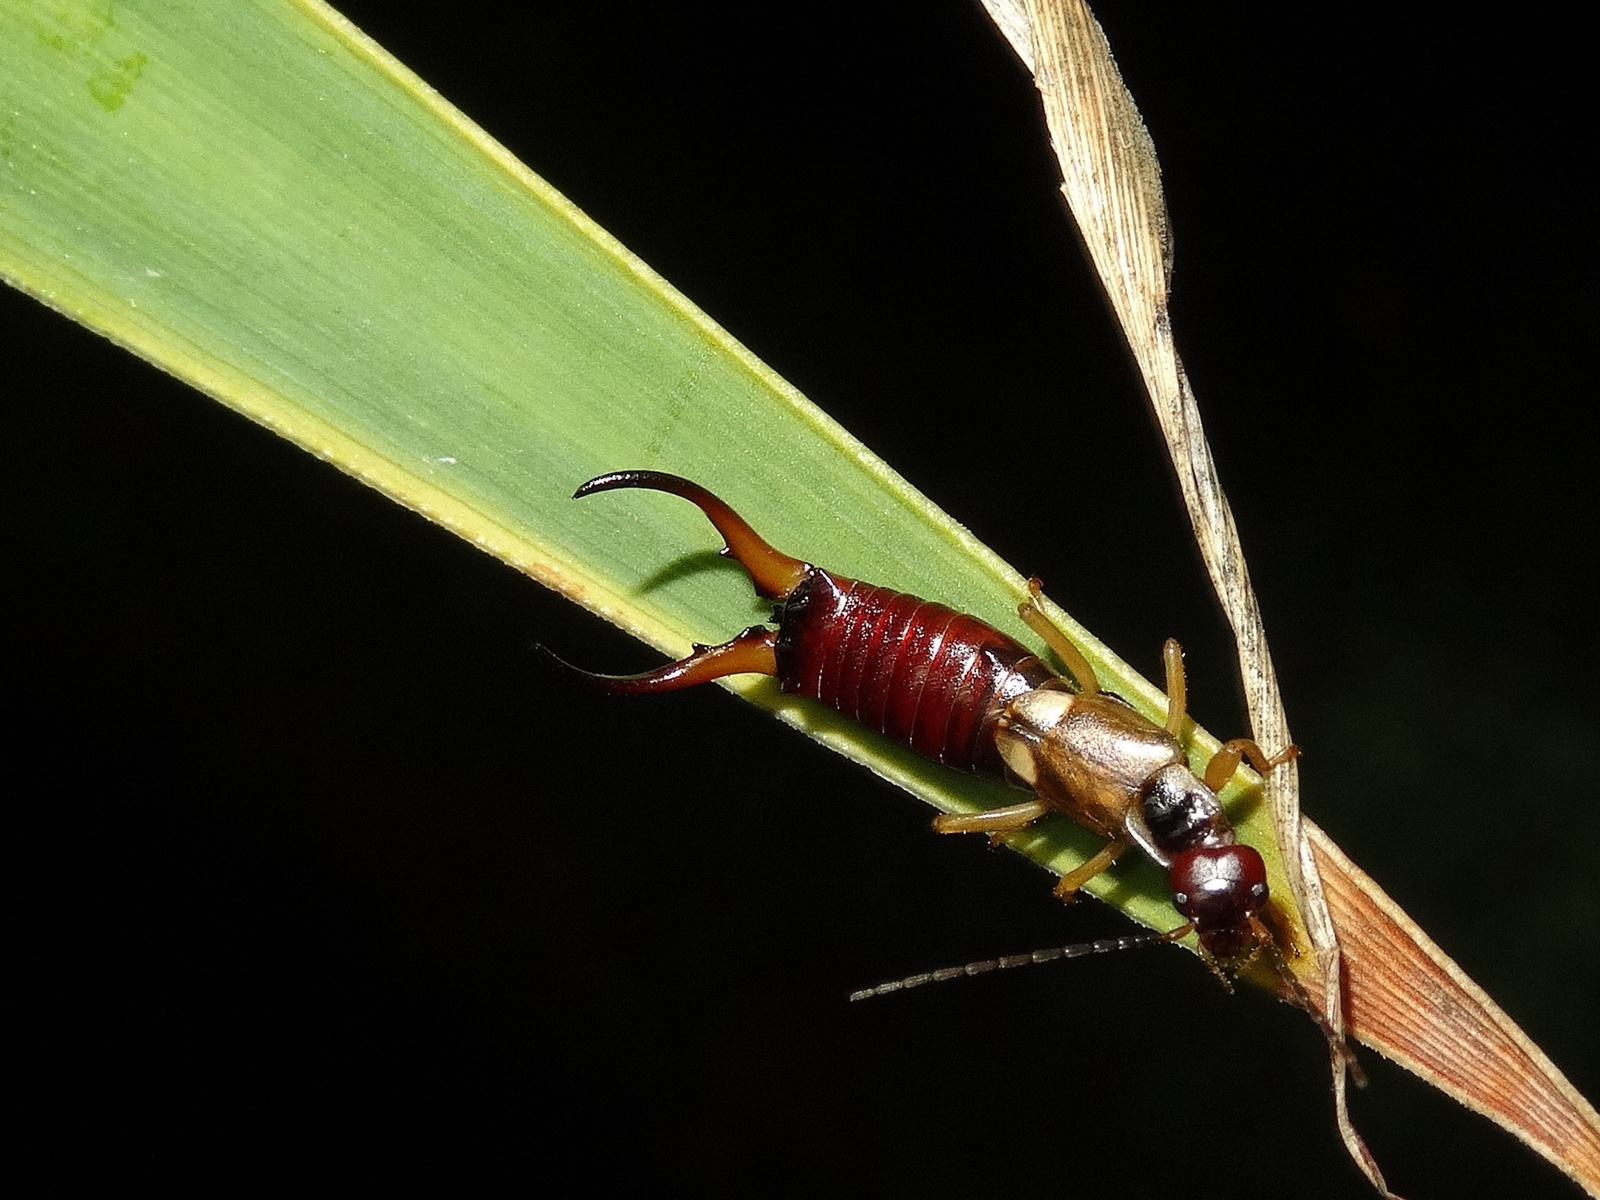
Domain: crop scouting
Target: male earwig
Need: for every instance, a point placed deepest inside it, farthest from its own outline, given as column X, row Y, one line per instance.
column 958, row 691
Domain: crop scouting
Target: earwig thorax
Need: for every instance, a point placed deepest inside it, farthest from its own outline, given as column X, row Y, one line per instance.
column 1180, row 812
column 1086, row 754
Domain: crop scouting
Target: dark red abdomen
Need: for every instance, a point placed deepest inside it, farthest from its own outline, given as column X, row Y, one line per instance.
column 925, row 675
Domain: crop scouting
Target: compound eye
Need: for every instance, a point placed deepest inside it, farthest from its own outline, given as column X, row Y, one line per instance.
column 1218, row 887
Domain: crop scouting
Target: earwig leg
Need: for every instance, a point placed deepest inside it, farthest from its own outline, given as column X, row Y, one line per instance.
column 1033, row 616
column 1283, row 932
column 1336, row 1043
column 1177, row 687
column 753, row 652
column 995, row 821
column 1067, row 886
column 1226, row 760
column 774, row 573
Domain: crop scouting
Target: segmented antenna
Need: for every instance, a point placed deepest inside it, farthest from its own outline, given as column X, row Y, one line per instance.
column 1079, row 950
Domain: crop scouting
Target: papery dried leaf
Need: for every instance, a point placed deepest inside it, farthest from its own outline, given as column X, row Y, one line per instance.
column 1410, row 1003
column 1112, row 183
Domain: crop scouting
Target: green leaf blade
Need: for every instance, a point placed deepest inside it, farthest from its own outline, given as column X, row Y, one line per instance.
column 266, row 205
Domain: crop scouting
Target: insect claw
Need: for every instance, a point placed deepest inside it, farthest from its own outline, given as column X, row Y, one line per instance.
column 751, row 653
column 774, row 573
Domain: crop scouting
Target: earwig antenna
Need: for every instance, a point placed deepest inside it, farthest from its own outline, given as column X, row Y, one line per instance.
column 1079, row 950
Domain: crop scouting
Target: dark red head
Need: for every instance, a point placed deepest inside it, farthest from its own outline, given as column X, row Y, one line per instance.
column 1220, row 889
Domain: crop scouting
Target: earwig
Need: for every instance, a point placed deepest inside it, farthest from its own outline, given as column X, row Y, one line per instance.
column 959, row 691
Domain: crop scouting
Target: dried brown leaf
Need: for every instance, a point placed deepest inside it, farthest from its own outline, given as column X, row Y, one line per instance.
column 1410, row 1003
column 1112, row 183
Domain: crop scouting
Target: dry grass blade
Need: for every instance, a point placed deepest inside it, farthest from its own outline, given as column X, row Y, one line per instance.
column 1405, row 998
column 1112, row 183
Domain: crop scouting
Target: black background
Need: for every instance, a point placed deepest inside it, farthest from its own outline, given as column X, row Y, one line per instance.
column 320, row 873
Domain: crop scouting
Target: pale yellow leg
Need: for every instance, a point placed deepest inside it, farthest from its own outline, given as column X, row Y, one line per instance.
column 1068, row 885
column 1226, row 760
column 1284, row 933
column 1035, row 619
column 1177, row 687
column 996, row 821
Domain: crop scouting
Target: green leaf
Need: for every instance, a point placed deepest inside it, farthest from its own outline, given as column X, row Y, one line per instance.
column 259, row 200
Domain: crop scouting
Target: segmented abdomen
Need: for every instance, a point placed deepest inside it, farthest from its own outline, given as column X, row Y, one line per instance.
column 925, row 675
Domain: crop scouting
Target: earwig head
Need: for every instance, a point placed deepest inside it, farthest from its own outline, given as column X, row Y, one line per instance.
column 1221, row 889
